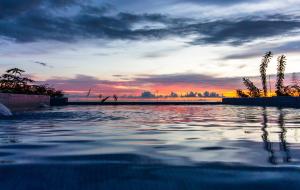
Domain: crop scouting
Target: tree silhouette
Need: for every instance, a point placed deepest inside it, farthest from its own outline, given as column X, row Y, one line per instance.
column 281, row 90
column 292, row 90
column 263, row 67
column 13, row 82
column 15, row 71
column 253, row 90
column 241, row 94
column 280, row 75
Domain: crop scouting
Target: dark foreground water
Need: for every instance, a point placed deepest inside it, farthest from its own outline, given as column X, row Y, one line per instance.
column 151, row 147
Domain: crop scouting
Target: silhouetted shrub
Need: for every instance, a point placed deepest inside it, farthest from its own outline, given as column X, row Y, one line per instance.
column 13, row 82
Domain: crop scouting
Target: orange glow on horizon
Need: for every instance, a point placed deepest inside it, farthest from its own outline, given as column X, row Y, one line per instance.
column 158, row 91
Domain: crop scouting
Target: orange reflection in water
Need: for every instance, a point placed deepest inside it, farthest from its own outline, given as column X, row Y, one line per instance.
column 168, row 99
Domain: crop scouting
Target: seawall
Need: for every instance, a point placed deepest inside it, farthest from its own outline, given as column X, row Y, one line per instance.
column 291, row 102
column 23, row 101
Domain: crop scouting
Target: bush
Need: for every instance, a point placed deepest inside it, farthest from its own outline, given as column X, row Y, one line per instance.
column 13, row 82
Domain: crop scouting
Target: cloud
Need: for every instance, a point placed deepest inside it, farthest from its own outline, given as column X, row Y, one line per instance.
column 189, row 78
column 246, row 30
column 158, row 3
column 80, row 84
column 35, row 20
column 39, row 25
column 12, row 8
column 242, row 55
column 15, row 7
column 282, row 48
column 119, row 76
column 220, row 2
column 161, row 52
column 43, row 64
column 143, row 82
column 164, row 83
column 242, row 66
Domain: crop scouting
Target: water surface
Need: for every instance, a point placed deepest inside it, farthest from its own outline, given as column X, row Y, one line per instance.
column 147, row 147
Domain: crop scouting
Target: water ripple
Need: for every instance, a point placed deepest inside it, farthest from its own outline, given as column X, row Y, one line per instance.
column 179, row 135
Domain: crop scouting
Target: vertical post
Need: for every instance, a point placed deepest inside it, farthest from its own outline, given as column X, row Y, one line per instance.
column 270, row 88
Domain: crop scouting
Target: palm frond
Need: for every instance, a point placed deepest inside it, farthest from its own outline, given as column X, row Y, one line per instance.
column 253, row 90
column 263, row 67
column 280, row 75
column 15, row 71
column 104, row 99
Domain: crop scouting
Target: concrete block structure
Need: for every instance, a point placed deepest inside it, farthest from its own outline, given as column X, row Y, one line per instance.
column 23, row 101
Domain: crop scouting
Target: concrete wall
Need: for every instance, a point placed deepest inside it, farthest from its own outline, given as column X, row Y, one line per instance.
column 293, row 102
column 21, row 101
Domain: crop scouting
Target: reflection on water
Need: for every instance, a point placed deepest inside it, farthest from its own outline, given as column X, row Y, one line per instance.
column 172, row 134
column 139, row 99
column 283, row 154
column 139, row 140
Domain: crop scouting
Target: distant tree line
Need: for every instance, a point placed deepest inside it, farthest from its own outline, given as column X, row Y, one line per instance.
column 199, row 94
column 148, row 94
column 280, row 88
column 14, row 82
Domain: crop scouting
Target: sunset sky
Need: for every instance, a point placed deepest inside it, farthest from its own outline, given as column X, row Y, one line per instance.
column 128, row 46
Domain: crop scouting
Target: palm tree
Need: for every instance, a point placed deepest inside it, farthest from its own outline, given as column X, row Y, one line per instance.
column 15, row 71
column 253, row 90
column 263, row 67
column 281, row 90
column 280, row 75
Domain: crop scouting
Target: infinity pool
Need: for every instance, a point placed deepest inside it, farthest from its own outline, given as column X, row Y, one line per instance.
column 151, row 147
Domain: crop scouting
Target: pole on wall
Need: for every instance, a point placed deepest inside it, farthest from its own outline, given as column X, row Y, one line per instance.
column 270, row 88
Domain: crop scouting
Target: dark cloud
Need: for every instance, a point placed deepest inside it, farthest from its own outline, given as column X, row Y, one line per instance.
column 40, row 25
column 242, row 66
column 15, row 7
column 63, row 3
column 12, row 8
column 220, row 2
column 160, row 3
column 80, row 84
column 82, row 81
column 155, row 54
column 293, row 46
column 34, row 21
column 243, row 31
column 195, row 79
column 43, row 64
column 119, row 76
column 162, row 52
column 287, row 47
column 242, row 55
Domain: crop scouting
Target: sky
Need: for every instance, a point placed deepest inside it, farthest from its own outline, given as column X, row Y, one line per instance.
column 125, row 47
